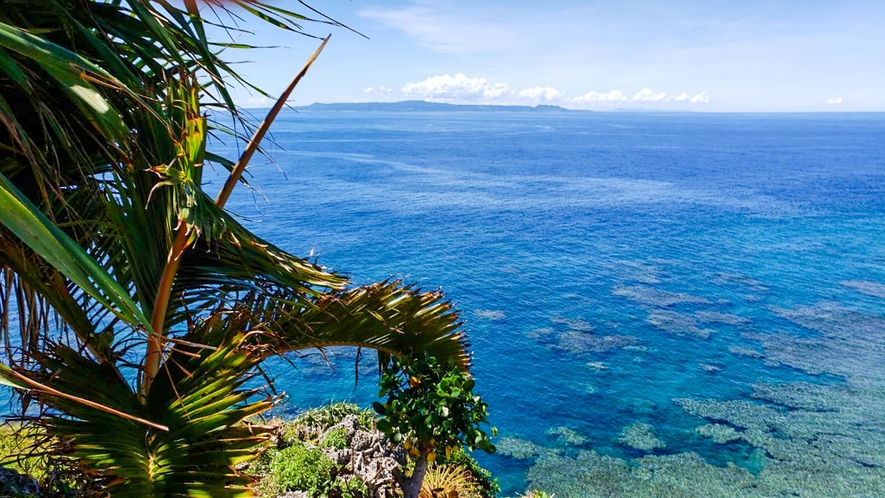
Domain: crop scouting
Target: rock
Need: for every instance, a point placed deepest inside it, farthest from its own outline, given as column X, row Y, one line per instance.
column 14, row 484
column 295, row 494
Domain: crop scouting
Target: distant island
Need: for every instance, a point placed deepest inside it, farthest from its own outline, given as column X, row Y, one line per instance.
column 420, row 105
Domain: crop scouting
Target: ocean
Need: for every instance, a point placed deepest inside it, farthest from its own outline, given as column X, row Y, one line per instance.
column 659, row 304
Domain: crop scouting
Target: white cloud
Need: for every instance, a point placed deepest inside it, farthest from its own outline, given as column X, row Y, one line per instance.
column 458, row 87
column 378, row 91
column 612, row 97
column 254, row 102
column 646, row 95
column 541, row 94
column 461, row 88
column 701, row 98
column 836, row 101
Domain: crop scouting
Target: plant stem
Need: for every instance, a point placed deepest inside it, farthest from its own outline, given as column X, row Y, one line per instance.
column 412, row 486
column 156, row 342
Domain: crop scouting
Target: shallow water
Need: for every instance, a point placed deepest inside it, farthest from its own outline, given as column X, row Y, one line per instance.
column 697, row 299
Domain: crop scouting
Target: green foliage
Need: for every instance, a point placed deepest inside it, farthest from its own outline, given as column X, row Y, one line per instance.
column 300, row 468
column 431, row 408
column 336, row 438
column 324, row 417
column 348, row 488
column 16, row 444
column 488, row 485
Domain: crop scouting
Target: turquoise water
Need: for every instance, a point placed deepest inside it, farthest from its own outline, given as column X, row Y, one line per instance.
column 659, row 304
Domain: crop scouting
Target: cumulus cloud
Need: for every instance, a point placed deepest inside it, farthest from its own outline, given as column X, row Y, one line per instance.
column 701, row 98
column 612, row 97
column 380, row 90
column 254, row 102
column 646, row 95
column 836, row 101
column 461, row 88
column 541, row 94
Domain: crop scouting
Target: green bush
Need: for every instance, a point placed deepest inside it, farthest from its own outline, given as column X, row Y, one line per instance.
column 16, row 443
column 336, row 438
column 326, row 416
column 349, row 488
column 298, row 468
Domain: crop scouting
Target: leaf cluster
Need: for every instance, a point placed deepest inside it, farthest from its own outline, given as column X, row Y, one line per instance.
column 431, row 407
column 300, row 467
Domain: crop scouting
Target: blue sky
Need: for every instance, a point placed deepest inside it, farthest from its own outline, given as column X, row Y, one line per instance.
column 686, row 55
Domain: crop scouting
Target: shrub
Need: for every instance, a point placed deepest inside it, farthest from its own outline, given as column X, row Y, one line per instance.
column 348, row 488
column 336, row 438
column 326, row 416
column 298, row 468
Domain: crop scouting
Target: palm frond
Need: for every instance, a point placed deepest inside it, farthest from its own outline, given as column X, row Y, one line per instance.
column 387, row 316
column 200, row 422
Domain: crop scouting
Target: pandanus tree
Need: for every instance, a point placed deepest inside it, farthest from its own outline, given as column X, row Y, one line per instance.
column 137, row 311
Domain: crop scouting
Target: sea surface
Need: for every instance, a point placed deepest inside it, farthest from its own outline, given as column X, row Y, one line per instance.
column 658, row 304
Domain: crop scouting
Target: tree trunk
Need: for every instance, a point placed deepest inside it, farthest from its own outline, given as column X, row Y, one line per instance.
column 412, row 485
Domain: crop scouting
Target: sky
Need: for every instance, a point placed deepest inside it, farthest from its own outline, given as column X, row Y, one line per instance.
column 708, row 56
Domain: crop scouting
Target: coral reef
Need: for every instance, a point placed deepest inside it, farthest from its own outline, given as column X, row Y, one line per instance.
column 677, row 323
column 641, row 436
column 583, row 342
column 745, row 351
column 590, row 475
column 874, row 289
column 802, row 438
column 738, row 280
column 720, row 433
column 638, row 271
column 655, row 297
column 520, row 449
column 717, row 317
column 491, row 315
column 573, row 323
column 564, row 435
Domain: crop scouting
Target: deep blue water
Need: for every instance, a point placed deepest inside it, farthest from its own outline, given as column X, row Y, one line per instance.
column 569, row 239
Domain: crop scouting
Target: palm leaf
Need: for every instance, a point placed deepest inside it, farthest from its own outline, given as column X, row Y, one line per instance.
column 23, row 219
column 387, row 316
